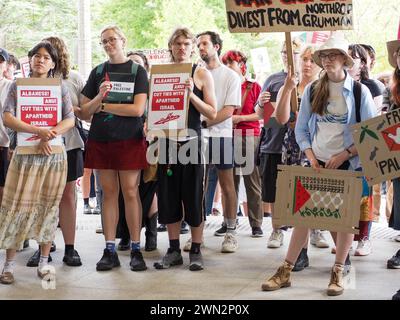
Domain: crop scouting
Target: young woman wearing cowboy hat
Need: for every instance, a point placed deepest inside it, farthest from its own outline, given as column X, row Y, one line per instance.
column 323, row 133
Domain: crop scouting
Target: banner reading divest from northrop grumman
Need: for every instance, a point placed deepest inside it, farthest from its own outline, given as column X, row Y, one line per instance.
column 288, row 15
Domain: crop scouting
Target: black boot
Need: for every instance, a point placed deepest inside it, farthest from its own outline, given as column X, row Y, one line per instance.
column 302, row 261
column 151, row 233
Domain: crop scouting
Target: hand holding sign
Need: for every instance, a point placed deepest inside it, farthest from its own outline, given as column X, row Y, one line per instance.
column 46, row 134
column 45, row 148
column 189, row 85
column 104, row 89
column 291, row 80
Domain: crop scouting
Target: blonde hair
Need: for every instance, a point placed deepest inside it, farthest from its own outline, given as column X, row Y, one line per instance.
column 116, row 29
column 181, row 32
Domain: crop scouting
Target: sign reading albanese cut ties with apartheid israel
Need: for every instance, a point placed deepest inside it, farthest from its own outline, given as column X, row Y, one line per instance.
column 378, row 144
column 288, row 15
column 168, row 103
column 39, row 103
column 329, row 200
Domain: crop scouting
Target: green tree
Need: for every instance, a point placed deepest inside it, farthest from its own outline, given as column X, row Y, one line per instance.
column 24, row 23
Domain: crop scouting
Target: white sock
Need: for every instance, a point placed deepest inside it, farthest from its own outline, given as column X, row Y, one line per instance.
column 9, row 266
column 44, row 261
column 230, row 226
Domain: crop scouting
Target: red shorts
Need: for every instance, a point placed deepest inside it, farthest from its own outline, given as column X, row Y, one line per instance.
column 116, row 155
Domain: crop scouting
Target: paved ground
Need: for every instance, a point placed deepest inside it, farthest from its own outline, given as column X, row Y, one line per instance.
column 226, row 276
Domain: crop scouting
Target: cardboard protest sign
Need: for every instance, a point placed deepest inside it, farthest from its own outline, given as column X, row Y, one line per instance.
column 25, row 68
column 329, row 200
column 39, row 103
column 288, row 15
column 378, row 144
column 168, row 102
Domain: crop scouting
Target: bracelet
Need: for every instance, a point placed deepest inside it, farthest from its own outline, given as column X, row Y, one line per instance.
column 260, row 106
column 103, row 105
column 351, row 155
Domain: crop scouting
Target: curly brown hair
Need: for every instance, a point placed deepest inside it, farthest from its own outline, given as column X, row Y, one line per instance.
column 63, row 63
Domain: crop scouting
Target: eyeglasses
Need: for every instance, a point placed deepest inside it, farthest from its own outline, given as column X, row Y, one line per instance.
column 109, row 40
column 331, row 56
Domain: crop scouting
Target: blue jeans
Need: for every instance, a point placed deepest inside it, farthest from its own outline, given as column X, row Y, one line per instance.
column 211, row 186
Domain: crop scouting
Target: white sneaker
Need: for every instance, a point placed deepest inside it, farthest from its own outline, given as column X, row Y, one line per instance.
column 229, row 244
column 276, row 239
column 188, row 244
column 397, row 238
column 317, row 239
column 364, row 248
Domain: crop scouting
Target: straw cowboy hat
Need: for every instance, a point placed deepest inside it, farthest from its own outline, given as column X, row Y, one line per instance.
column 334, row 43
column 392, row 47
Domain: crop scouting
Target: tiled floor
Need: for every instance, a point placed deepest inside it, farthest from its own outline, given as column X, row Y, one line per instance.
column 226, row 276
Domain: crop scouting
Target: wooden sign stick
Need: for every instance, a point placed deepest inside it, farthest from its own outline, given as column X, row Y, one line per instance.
column 289, row 51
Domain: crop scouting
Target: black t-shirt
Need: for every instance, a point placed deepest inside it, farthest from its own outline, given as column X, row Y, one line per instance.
column 373, row 86
column 272, row 138
column 109, row 127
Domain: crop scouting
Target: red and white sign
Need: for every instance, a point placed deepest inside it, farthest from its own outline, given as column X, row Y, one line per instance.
column 38, row 105
column 168, row 97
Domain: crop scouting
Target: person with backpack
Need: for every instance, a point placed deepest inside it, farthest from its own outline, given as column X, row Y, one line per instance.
column 115, row 94
column 329, row 107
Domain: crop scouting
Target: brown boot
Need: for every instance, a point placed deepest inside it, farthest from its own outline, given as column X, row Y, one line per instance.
column 335, row 287
column 280, row 279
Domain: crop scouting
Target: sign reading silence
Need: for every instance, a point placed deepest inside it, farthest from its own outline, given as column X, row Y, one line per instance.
column 288, row 15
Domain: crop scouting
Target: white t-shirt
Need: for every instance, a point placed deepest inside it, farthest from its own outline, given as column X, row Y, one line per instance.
column 328, row 140
column 75, row 84
column 228, row 92
column 4, row 86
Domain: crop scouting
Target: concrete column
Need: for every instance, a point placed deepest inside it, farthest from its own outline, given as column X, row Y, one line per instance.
column 84, row 38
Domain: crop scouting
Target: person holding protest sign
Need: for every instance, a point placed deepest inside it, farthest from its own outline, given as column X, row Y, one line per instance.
column 74, row 146
column 35, row 182
column 147, row 192
column 327, row 111
column 291, row 153
column 115, row 94
column 180, row 186
column 271, row 142
column 247, row 132
column 393, row 48
column 360, row 72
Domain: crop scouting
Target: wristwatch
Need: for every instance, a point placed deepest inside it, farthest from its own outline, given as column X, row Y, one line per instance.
column 204, row 124
column 103, row 105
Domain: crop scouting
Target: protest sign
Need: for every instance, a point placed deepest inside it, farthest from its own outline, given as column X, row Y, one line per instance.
column 157, row 56
column 378, row 144
column 168, row 102
column 25, row 68
column 39, row 103
column 329, row 200
column 288, row 15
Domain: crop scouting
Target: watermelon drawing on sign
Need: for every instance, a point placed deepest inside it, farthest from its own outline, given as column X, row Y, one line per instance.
column 301, row 196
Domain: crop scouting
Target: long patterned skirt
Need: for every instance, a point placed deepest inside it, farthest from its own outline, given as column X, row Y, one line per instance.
column 32, row 194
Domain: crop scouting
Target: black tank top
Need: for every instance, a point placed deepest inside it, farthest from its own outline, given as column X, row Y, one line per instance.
column 194, row 122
